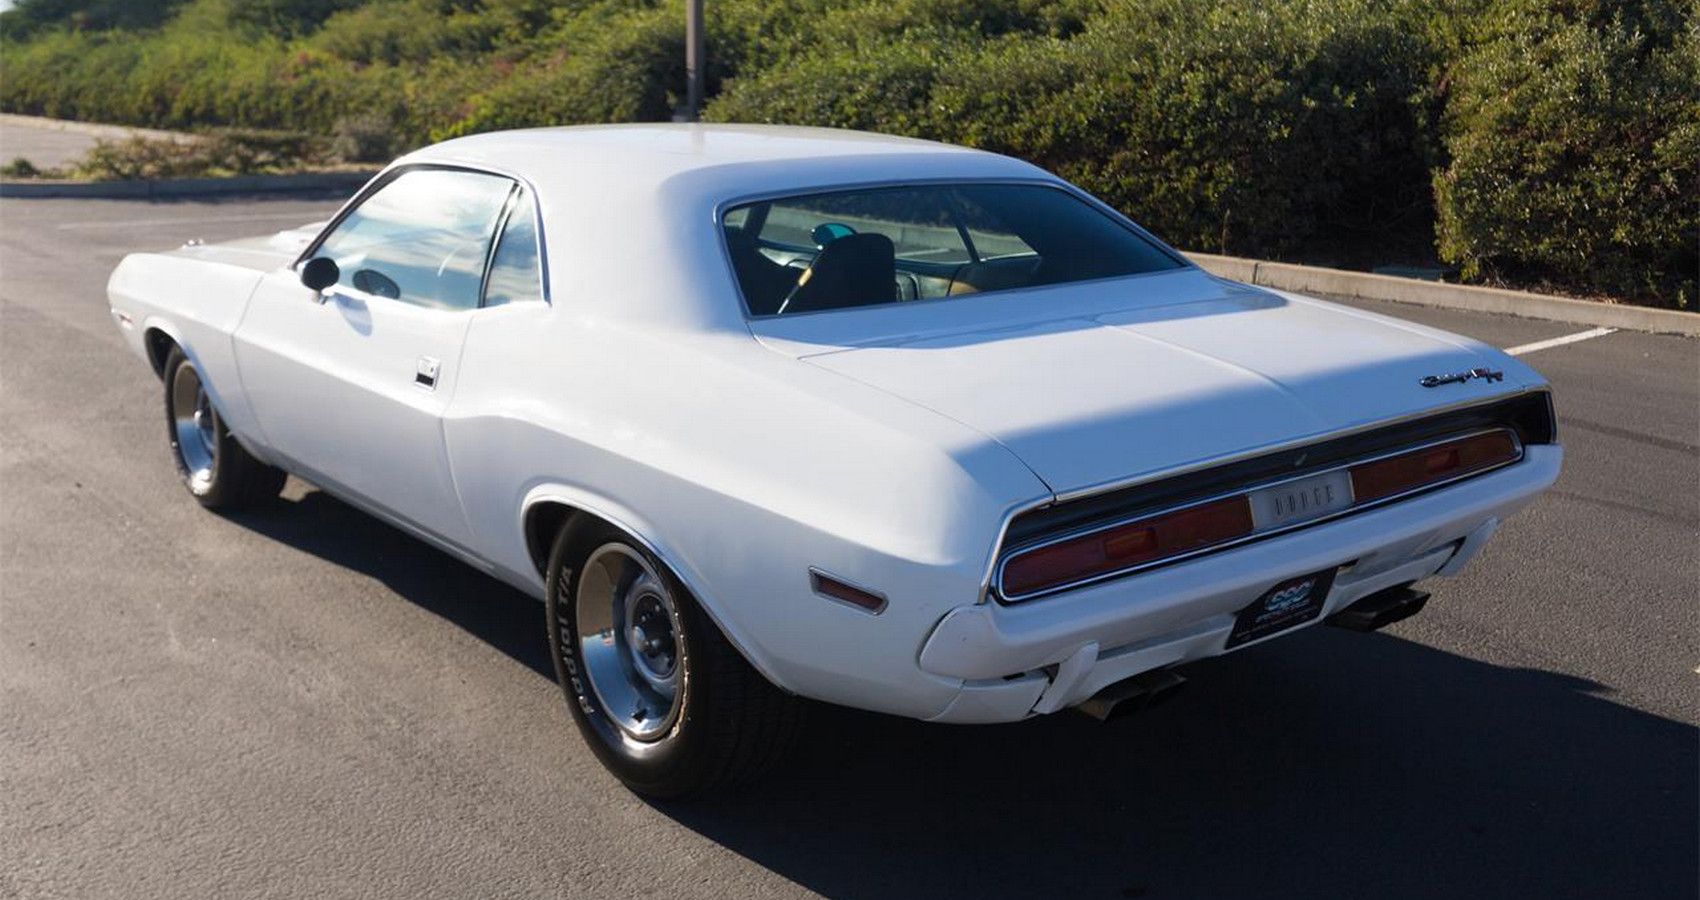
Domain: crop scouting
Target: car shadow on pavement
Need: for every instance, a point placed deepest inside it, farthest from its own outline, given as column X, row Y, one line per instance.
column 488, row 609
column 1326, row 764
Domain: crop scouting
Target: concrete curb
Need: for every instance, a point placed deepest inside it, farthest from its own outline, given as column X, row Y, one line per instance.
column 1369, row 286
column 173, row 188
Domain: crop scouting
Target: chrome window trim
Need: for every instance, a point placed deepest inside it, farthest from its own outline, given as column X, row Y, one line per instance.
column 520, row 194
column 1005, row 556
column 502, row 218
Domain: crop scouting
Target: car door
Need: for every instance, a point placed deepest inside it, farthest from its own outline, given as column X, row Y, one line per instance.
column 349, row 385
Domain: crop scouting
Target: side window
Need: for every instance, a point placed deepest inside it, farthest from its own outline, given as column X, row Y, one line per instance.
column 423, row 238
column 515, row 271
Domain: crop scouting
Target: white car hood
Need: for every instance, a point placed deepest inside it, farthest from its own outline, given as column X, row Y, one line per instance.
column 261, row 254
column 1093, row 399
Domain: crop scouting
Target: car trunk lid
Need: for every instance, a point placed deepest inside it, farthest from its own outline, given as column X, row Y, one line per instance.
column 1113, row 391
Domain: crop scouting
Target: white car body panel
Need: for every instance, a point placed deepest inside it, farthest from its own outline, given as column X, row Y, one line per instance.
column 335, row 393
column 1219, row 371
column 888, row 446
column 1185, row 611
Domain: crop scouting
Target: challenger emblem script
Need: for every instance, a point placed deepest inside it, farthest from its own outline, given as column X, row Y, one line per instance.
column 1489, row 375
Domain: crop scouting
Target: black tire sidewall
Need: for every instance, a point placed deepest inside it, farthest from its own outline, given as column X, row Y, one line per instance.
column 676, row 762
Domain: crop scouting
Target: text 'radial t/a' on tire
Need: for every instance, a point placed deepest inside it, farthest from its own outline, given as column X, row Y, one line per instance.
column 665, row 702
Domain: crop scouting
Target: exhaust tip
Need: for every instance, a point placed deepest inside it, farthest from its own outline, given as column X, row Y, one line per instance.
column 1130, row 695
column 1380, row 609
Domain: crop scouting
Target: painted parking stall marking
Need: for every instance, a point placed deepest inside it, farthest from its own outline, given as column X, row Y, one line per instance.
column 195, row 220
column 1549, row 343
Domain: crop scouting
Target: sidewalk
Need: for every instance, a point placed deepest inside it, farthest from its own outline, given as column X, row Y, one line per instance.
column 1371, row 286
column 56, row 143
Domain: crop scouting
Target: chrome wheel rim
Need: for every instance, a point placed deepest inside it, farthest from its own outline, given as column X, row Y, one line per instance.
column 628, row 640
column 194, row 424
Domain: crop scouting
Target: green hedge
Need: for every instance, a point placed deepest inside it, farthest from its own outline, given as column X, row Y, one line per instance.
column 1236, row 127
column 1533, row 142
column 1573, row 136
column 624, row 66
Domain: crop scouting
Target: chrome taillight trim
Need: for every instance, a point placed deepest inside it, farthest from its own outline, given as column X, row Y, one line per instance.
column 1006, row 555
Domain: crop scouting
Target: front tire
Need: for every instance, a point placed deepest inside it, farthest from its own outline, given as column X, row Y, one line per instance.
column 219, row 473
column 665, row 702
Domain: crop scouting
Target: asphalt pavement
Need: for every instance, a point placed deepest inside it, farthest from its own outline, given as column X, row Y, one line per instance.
column 304, row 702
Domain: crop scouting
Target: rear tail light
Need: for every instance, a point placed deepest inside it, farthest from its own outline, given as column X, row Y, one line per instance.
column 1441, row 462
column 1134, row 543
column 1142, row 542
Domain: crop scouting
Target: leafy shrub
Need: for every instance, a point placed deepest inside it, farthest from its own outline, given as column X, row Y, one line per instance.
column 363, row 138
column 1238, row 127
column 222, row 152
column 610, row 67
column 1574, row 135
column 1560, row 140
column 20, row 167
column 285, row 17
column 418, row 32
column 140, row 157
column 885, row 87
column 249, row 150
column 30, row 16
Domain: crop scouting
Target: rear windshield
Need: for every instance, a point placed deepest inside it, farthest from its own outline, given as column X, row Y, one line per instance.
column 846, row 249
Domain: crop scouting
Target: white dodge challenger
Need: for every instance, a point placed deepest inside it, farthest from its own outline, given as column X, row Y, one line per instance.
column 767, row 413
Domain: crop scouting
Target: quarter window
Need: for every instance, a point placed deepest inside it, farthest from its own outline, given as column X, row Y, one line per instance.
column 423, row 238
column 515, row 271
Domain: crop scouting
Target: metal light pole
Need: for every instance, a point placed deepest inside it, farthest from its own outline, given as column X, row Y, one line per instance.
column 693, row 60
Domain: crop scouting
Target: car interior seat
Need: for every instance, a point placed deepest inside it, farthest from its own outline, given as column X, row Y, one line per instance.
column 764, row 281
column 855, row 270
column 995, row 275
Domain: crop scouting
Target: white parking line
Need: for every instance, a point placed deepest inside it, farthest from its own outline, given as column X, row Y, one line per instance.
column 196, row 220
column 1588, row 335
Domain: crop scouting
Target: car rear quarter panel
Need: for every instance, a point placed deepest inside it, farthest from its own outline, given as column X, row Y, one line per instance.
column 743, row 469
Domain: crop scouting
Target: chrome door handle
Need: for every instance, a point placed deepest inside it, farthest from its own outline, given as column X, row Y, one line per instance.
column 425, row 375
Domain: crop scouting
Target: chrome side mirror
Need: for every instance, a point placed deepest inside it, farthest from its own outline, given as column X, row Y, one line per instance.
column 320, row 272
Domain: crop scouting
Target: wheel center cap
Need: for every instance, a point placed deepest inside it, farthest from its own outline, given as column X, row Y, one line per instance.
column 650, row 637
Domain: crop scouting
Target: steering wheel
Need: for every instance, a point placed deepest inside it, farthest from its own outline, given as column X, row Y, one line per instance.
column 376, row 283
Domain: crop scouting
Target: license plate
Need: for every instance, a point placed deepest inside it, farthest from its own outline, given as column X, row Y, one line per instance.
column 1289, row 604
column 1301, row 500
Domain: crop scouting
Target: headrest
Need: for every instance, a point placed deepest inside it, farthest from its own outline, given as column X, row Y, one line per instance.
column 854, row 270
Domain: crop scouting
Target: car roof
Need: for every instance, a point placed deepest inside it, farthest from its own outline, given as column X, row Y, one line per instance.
column 641, row 155
column 678, row 147
column 618, row 199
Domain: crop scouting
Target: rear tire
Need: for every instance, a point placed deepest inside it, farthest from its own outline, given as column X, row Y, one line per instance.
column 666, row 703
column 219, row 473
